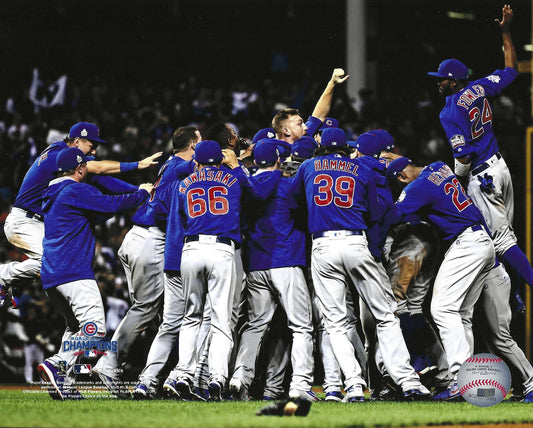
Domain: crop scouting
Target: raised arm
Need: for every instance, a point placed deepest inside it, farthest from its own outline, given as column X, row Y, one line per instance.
column 508, row 46
column 114, row 167
column 323, row 105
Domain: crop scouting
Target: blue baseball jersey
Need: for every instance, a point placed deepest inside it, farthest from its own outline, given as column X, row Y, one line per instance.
column 169, row 219
column 377, row 230
column 467, row 116
column 175, row 168
column 272, row 240
column 36, row 180
column 210, row 201
column 71, row 211
column 313, row 124
column 340, row 193
column 437, row 195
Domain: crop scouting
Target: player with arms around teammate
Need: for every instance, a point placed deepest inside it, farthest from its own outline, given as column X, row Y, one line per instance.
column 210, row 202
column 142, row 256
column 340, row 197
column 24, row 226
column 436, row 194
column 467, row 121
column 72, row 209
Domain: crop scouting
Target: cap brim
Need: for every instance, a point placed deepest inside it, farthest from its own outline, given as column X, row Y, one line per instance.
column 97, row 140
column 436, row 74
column 351, row 144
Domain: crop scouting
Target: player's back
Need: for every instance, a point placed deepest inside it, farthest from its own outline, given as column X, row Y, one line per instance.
column 467, row 116
column 210, row 200
column 36, row 180
column 338, row 192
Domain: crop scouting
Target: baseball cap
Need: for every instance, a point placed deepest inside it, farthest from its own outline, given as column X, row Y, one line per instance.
column 372, row 143
column 397, row 166
column 69, row 158
column 451, row 69
column 208, row 152
column 86, row 130
column 333, row 137
column 266, row 152
column 264, row 133
column 304, row 147
column 329, row 122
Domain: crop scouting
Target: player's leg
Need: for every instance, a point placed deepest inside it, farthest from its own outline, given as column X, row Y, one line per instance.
column 295, row 299
column 165, row 339
column 261, row 308
column 330, row 287
column 497, row 315
column 457, row 287
column 27, row 235
column 221, row 286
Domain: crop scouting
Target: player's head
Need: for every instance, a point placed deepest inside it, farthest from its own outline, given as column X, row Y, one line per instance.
column 402, row 170
column 185, row 138
column 266, row 153
column 452, row 76
column 85, row 136
column 226, row 136
column 333, row 141
column 289, row 125
column 373, row 143
column 71, row 162
column 262, row 134
column 329, row 122
column 208, row 152
column 303, row 148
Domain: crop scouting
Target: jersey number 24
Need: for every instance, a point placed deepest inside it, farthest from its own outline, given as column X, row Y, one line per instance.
column 477, row 116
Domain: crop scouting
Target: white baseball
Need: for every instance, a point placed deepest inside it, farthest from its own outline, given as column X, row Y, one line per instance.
column 484, row 380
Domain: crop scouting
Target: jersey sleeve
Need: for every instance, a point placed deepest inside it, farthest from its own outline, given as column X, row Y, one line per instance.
column 498, row 81
column 91, row 199
column 457, row 129
column 312, row 123
column 413, row 198
column 111, row 184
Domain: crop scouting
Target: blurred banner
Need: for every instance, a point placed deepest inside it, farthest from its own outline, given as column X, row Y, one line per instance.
column 47, row 96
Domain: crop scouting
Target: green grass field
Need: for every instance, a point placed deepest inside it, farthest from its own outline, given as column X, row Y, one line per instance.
column 24, row 409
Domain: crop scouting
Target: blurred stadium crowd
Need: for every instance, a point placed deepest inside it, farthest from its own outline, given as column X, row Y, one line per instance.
column 139, row 120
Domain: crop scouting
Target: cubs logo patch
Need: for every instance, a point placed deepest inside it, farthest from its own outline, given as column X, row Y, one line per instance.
column 457, row 140
column 43, row 157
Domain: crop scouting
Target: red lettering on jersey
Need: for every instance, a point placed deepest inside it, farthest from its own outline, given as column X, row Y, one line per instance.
column 210, row 174
column 325, row 164
column 349, row 167
column 218, row 176
column 201, row 175
column 318, row 166
column 226, row 179
column 332, row 164
column 342, row 165
column 232, row 182
column 193, row 177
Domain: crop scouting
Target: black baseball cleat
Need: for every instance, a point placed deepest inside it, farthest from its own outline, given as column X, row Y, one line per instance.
column 416, row 395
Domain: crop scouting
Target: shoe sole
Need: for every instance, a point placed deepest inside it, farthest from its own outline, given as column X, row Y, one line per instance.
column 112, row 386
column 185, row 392
column 215, row 392
column 170, row 391
column 46, row 375
column 337, row 399
column 356, row 400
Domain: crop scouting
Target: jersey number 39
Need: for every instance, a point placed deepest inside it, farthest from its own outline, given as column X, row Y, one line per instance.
column 340, row 191
column 215, row 202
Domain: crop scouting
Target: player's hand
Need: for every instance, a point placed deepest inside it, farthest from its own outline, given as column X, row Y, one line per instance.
column 507, row 18
column 230, row 158
column 389, row 156
column 147, row 186
column 149, row 161
column 339, row 76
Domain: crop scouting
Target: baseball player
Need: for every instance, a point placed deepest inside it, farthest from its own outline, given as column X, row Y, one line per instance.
column 275, row 250
column 210, row 203
column 24, row 226
column 142, row 256
column 467, row 121
column 435, row 192
column 496, row 321
column 72, row 208
column 339, row 193
column 290, row 126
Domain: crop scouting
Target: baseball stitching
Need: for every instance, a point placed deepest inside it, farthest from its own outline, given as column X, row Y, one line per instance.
column 483, row 382
column 484, row 360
